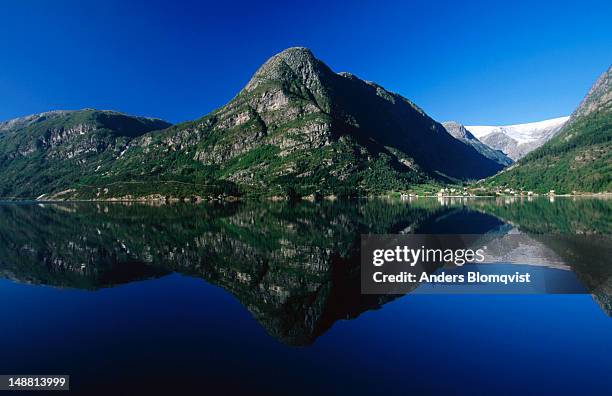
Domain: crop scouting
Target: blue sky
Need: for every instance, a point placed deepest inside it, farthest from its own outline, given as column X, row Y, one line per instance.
column 475, row 62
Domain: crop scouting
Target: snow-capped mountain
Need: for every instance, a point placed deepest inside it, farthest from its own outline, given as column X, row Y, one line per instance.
column 518, row 140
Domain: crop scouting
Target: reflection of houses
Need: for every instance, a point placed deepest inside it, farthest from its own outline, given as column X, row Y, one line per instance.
column 408, row 197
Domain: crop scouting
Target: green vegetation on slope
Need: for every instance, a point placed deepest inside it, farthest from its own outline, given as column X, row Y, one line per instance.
column 51, row 152
column 578, row 159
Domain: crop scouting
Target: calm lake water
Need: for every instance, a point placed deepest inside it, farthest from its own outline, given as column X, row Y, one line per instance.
column 265, row 299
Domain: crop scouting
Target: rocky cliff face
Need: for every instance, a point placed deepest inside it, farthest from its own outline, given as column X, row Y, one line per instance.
column 598, row 99
column 460, row 133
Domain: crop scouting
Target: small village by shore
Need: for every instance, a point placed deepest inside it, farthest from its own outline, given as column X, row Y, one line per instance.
column 466, row 192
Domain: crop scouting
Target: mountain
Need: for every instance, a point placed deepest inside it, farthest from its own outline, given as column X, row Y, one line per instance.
column 516, row 141
column 52, row 151
column 22, row 122
column 459, row 132
column 579, row 157
column 296, row 128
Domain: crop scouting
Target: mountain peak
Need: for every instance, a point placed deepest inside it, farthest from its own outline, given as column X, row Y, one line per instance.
column 457, row 130
column 295, row 92
column 295, row 64
column 296, row 51
column 599, row 96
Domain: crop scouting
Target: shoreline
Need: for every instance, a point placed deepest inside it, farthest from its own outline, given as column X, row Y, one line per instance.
column 304, row 199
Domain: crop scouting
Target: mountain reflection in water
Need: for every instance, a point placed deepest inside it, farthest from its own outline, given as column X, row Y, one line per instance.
column 294, row 266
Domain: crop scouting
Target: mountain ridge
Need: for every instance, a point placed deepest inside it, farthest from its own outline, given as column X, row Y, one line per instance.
column 460, row 132
column 23, row 121
column 51, row 151
column 296, row 128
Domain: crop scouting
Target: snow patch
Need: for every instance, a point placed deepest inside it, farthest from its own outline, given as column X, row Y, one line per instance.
column 521, row 133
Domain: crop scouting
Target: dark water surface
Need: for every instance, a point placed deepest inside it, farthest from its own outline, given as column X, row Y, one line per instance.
column 265, row 299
